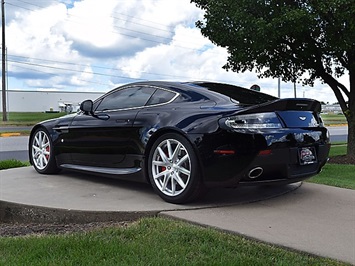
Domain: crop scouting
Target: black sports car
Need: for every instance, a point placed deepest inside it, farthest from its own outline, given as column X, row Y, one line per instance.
column 183, row 137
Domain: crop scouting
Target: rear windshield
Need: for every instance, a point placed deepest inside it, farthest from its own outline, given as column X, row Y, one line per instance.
column 242, row 95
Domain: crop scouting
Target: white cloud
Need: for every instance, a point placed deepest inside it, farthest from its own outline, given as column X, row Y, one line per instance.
column 34, row 33
column 93, row 45
column 83, row 77
column 90, row 21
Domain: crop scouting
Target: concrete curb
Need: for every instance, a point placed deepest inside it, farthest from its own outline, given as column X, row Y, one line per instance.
column 11, row 212
column 20, row 213
column 10, row 134
column 27, row 197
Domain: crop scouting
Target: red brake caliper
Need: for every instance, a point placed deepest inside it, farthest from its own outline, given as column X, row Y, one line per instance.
column 47, row 150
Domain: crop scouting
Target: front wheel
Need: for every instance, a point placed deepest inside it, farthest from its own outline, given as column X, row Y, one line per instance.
column 174, row 170
column 41, row 152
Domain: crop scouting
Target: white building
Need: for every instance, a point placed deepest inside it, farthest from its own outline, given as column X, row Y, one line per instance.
column 333, row 108
column 41, row 101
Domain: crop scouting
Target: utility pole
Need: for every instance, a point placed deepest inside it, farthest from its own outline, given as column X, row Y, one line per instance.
column 3, row 74
column 295, row 89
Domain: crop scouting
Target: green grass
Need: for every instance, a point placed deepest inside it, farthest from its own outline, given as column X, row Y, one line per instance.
column 12, row 163
column 338, row 149
column 333, row 119
column 158, row 241
column 151, row 241
column 337, row 175
column 28, row 118
column 31, row 118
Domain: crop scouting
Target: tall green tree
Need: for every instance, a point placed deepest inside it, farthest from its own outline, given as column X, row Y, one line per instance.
column 297, row 40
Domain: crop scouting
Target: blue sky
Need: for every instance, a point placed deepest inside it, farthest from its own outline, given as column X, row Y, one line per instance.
column 93, row 45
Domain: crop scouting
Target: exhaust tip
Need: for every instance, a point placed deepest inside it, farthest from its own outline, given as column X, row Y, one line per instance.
column 255, row 172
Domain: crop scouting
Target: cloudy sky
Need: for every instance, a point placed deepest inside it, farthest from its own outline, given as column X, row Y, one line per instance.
column 92, row 45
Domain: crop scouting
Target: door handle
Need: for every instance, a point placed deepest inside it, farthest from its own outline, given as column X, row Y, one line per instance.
column 103, row 116
column 124, row 121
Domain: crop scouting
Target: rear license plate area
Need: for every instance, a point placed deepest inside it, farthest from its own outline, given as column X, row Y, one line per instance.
column 307, row 155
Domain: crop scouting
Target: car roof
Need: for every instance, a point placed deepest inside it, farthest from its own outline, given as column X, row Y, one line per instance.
column 219, row 92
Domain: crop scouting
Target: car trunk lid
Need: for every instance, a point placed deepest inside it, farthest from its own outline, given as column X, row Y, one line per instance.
column 294, row 113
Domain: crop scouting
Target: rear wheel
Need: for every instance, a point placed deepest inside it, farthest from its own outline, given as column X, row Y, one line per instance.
column 42, row 156
column 173, row 169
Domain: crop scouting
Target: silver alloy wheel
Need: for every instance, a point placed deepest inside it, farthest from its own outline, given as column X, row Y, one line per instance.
column 41, row 150
column 171, row 167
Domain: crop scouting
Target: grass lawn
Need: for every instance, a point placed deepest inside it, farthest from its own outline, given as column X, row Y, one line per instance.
column 158, row 241
column 150, row 241
column 28, row 118
column 338, row 149
column 333, row 119
column 31, row 118
column 337, row 175
column 12, row 163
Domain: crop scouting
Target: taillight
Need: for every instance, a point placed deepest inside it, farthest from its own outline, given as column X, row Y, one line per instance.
column 254, row 121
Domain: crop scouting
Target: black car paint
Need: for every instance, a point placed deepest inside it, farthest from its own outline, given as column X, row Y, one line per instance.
column 119, row 144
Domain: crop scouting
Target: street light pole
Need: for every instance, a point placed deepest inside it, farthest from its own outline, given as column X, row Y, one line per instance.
column 3, row 48
column 295, row 89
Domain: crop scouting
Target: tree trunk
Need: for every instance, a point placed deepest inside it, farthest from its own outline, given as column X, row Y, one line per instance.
column 351, row 116
column 348, row 108
column 351, row 137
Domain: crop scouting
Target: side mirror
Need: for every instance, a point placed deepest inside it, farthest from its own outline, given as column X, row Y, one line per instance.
column 86, row 106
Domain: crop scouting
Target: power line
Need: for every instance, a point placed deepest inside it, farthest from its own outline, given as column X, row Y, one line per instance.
column 168, row 39
column 28, row 3
column 93, row 66
column 97, row 73
column 72, row 70
column 101, row 67
column 52, row 74
column 20, row 7
column 118, row 27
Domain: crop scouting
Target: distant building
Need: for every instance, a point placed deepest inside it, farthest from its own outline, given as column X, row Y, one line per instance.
column 332, row 108
column 66, row 101
column 42, row 101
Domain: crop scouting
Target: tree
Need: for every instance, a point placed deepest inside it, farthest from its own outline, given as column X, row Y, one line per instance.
column 297, row 40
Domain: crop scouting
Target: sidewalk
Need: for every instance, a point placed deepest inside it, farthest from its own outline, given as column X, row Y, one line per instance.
column 315, row 219
column 311, row 218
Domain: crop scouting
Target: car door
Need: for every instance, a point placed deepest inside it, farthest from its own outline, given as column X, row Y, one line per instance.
column 107, row 137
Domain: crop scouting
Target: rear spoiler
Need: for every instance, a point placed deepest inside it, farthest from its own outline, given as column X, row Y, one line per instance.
column 291, row 104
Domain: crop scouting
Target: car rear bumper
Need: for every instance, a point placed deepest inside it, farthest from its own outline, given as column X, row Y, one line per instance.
column 232, row 158
column 283, row 166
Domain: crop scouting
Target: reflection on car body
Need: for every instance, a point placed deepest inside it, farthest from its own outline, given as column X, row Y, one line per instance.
column 184, row 137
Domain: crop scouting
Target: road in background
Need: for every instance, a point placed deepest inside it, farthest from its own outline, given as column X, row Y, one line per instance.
column 16, row 147
column 338, row 134
column 15, row 128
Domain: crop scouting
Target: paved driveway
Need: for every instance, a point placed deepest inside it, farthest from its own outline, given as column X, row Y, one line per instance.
column 312, row 218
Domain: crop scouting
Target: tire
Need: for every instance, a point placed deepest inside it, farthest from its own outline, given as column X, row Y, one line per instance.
column 41, row 152
column 173, row 169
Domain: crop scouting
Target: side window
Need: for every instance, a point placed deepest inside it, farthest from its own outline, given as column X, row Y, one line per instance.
column 126, row 98
column 161, row 96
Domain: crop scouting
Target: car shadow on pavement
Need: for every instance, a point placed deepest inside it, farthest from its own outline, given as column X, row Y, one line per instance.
column 215, row 197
